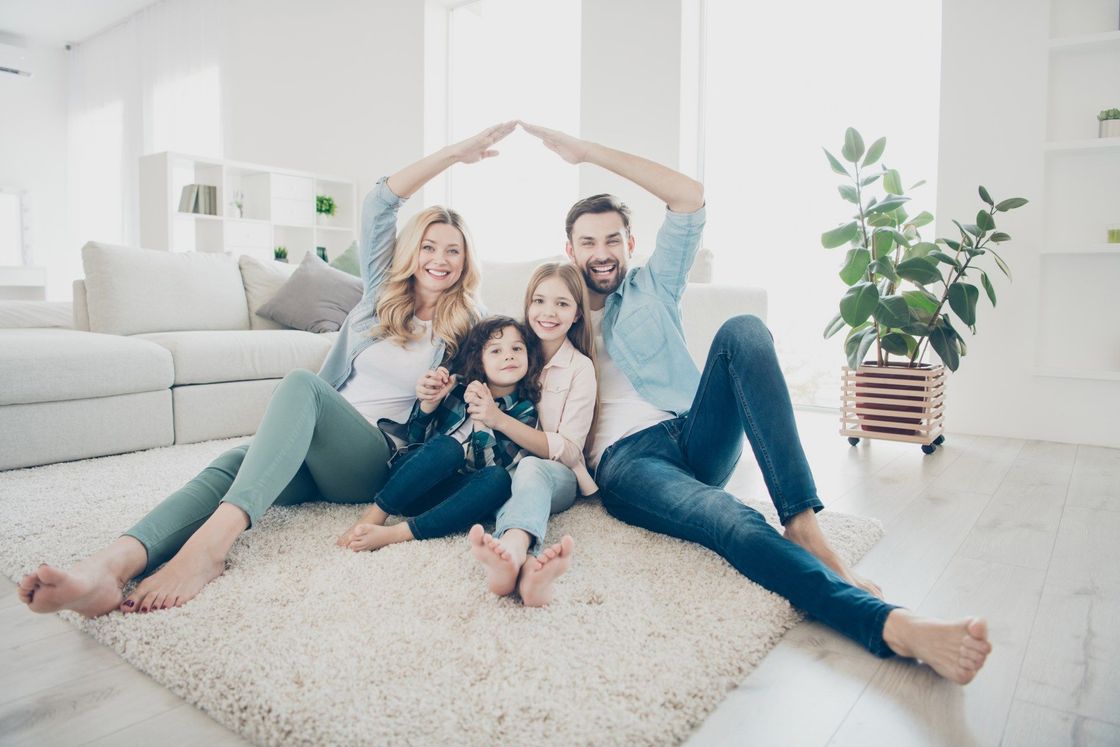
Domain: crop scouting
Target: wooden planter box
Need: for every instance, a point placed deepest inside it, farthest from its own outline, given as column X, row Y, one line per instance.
column 894, row 403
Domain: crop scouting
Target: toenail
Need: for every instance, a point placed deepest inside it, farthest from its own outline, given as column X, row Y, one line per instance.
column 130, row 603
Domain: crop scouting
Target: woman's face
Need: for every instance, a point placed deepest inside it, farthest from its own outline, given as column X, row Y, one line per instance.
column 552, row 310
column 505, row 359
column 441, row 259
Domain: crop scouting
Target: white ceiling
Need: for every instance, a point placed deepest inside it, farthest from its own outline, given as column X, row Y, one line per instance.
column 58, row 22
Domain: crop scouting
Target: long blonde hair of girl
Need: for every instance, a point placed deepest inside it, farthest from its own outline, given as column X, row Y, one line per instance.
column 580, row 331
column 457, row 307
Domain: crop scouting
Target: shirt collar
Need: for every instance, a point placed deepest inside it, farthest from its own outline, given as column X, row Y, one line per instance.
column 563, row 356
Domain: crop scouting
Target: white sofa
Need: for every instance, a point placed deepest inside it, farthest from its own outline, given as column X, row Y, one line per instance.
column 167, row 348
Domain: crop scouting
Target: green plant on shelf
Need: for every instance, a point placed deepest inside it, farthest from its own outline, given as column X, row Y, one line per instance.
column 280, row 253
column 1107, row 114
column 324, row 205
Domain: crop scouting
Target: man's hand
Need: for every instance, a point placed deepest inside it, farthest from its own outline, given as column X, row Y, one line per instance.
column 432, row 387
column 571, row 149
column 481, row 405
column 478, row 147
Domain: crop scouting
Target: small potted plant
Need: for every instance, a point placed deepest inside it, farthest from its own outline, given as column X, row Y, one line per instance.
column 238, row 204
column 901, row 289
column 280, row 253
column 324, row 205
column 1109, row 123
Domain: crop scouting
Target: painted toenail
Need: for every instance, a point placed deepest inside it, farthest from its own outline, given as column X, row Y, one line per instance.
column 130, row 603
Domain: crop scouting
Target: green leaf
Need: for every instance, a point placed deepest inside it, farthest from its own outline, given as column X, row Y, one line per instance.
column 943, row 340
column 839, row 236
column 985, row 196
column 836, row 165
column 892, row 311
column 974, row 229
column 885, row 268
column 881, row 220
column 988, row 288
column 923, row 218
column 954, row 245
column 920, row 270
column 870, row 179
column 985, row 221
column 1010, row 204
column 945, row 258
column 921, row 249
column 888, row 204
column 855, row 265
column 917, row 184
column 853, row 146
column 1000, row 236
column 882, row 241
column 834, row 326
column 962, row 300
column 848, row 192
column 898, row 344
column 892, row 182
column 1000, row 263
column 857, row 345
column 875, row 151
column 858, row 303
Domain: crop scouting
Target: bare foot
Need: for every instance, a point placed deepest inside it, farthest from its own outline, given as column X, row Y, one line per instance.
column 540, row 572
column 955, row 650
column 374, row 537
column 91, row 587
column 500, row 564
column 804, row 530
column 178, row 582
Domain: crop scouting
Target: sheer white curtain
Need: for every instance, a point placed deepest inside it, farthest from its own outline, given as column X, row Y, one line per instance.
column 149, row 84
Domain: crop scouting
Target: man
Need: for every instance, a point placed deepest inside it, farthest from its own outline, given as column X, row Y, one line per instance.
column 667, row 437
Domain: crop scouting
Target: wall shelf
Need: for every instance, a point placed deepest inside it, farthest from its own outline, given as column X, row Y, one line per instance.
column 1084, row 42
column 1101, row 144
column 1077, row 373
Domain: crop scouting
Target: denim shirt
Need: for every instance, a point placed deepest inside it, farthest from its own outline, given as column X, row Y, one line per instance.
column 377, row 241
column 642, row 326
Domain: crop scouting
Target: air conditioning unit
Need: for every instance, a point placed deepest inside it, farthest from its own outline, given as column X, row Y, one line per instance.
column 14, row 59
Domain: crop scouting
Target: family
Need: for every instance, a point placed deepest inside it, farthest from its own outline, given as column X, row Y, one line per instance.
column 450, row 419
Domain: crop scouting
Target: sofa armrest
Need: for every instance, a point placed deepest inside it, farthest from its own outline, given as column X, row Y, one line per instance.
column 81, row 310
column 705, row 307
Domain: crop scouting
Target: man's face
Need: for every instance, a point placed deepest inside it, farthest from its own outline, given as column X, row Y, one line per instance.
column 600, row 247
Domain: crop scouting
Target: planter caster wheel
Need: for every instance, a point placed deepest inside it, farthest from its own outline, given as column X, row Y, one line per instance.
column 853, row 440
column 939, row 440
column 929, row 448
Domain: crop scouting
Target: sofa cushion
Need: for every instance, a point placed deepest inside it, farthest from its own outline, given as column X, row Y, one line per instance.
column 503, row 284
column 261, row 281
column 36, row 314
column 348, row 261
column 316, row 298
column 132, row 291
column 226, row 355
column 47, row 365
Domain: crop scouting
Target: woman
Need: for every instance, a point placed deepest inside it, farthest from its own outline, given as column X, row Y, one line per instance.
column 317, row 440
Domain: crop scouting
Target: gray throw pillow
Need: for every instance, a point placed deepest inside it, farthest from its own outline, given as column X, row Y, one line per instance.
column 315, row 298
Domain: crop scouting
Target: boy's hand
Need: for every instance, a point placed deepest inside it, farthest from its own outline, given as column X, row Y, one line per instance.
column 433, row 386
column 481, row 405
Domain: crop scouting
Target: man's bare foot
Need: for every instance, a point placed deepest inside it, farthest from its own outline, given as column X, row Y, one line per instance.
column 955, row 650
column 374, row 536
column 91, row 587
column 540, row 572
column 500, row 563
column 804, row 530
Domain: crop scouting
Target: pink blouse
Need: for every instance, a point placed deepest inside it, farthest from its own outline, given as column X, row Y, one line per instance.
column 567, row 406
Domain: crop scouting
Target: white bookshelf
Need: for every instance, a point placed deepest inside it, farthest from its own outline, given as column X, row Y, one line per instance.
column 279, row 208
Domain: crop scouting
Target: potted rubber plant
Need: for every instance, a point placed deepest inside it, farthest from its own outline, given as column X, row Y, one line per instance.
column 903, row 294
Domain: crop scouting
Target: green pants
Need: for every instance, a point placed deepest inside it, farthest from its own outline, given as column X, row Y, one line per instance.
column 312, row 445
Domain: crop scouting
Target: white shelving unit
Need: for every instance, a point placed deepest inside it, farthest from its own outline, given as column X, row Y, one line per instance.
column 279, row 208
column 1078, row 271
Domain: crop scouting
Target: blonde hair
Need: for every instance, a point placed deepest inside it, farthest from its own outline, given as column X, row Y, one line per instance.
column 580, row 332
column 457, row 307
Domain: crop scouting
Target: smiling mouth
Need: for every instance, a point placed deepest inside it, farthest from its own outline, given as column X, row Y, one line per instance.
column 547, row 325
column 604, row 270
column 511, row 367
column 438, row 274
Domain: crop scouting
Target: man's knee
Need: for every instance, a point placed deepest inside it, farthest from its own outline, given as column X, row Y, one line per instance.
column 745, row 332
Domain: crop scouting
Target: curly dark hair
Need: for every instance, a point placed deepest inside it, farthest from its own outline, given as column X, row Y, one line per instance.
column 468, row 362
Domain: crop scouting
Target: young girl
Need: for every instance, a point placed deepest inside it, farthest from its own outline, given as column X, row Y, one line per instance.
column 556, row 312
column 457, row 470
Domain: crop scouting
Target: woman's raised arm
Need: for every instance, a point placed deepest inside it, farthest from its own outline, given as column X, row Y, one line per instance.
column 405, row 182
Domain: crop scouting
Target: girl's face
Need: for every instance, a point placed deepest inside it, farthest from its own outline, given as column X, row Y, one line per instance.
column 440, row 264
column 505, row 359
column 552, row 310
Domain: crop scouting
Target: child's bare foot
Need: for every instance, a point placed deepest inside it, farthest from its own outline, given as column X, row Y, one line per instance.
column 539, row 573
column 501, row 565
column 374, row 537
column 91, row 587
column 804, row 530
column 955, row 650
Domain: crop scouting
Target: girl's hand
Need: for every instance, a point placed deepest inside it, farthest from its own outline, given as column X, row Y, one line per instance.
column 477, row 148
column 433, row 386
column 481, row 405
column 571, row 149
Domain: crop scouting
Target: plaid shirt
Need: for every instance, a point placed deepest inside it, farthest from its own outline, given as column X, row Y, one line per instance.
column 484, row 446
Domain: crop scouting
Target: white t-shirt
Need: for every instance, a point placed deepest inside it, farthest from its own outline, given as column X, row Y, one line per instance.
column 383, row 383
column 622, row 411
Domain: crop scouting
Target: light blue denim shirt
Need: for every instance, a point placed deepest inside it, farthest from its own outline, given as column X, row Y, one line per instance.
column 642, row 326
column 376, row 243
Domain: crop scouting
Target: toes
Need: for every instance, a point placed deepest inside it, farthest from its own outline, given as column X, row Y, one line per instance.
column 567, row 545
column 475, row 536
column 978, row 628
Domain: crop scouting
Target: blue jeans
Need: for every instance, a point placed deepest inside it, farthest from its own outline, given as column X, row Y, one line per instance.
column 426, row 484
column 669, row 478
column 540, row 488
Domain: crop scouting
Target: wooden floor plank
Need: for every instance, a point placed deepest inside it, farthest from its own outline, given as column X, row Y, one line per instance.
column 1096, row 479
column 1031, row 725
column 185, row 726
column 52, row 662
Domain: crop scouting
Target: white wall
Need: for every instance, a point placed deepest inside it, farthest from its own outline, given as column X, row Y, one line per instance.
column 994, row 106
column 33, row 155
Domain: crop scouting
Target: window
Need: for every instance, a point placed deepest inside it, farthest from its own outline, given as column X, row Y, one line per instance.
column 783, row 81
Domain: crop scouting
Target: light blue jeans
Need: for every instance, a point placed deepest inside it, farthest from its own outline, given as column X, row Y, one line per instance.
column 541, row 488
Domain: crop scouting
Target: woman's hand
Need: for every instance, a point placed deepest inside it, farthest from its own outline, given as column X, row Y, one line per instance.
column 571, row 149
column 481, row 405
column 432, row 387
column 478, row 147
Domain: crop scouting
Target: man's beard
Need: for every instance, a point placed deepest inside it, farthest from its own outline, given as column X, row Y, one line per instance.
column 604, row 286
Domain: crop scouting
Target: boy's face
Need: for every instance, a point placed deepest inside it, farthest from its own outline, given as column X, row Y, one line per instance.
column 505, row 358
column 600, row 247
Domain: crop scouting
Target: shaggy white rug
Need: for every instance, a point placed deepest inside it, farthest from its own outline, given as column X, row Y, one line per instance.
column 301, row 642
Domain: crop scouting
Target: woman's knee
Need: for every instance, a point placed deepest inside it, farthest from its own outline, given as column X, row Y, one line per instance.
column 230, row 461
column 300, row 378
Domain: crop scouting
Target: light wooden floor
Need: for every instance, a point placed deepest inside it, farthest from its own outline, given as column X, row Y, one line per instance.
column 1024, row 533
